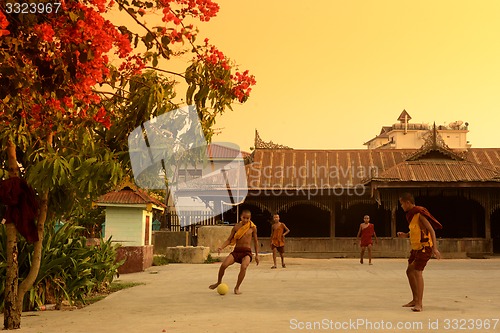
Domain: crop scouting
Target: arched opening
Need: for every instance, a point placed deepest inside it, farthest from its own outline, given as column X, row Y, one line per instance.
column 459, row 216
column 347, row 221
column 306, row 220
column 260, row 217
column 495, row 230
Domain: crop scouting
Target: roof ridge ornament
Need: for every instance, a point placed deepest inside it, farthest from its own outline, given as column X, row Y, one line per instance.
column 126, row 182
column 434, row 137
column 261, row 144
column 433, row 141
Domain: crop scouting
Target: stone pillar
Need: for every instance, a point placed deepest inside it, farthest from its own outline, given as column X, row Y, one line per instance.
column 393, row 221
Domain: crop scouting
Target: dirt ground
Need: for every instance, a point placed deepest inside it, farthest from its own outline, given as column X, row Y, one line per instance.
column 310, row 295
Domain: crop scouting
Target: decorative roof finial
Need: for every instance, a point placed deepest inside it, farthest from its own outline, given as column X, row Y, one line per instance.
column 434, row 136
column 434, row 142
column 260, row 144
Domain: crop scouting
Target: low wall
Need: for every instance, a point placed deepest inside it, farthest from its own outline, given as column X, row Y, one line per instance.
column 214, row 236
column 386, row 247
column 165, row 239
column 188, row 254
column 473, row 247
column 137, row 258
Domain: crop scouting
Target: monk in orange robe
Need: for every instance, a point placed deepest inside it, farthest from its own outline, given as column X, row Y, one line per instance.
column 278, row 232
column 423, row 246
column 366, row 232
column 241, row 236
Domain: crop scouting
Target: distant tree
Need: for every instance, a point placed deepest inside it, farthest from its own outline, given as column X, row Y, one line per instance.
column 66, row 108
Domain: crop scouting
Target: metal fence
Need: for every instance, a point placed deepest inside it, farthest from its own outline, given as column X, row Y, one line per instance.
column 189, row 221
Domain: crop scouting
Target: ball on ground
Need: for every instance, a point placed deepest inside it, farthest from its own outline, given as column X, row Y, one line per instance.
column 222, row 289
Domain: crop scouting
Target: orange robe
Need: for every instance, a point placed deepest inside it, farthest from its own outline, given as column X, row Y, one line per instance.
column 278, row 239
column 241, row 231
column 422, row 210
column 367, row 234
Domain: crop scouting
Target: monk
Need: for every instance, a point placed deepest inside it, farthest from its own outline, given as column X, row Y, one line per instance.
column 241, row 236
column 423, row 246
column 366, row 232
column 278, row 232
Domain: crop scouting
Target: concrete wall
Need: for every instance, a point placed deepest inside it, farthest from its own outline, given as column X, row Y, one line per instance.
column 386, row 248
column 137, row 258
column 164, row 239
column 125, row 225
column 472, row 247
column 455, row 139
column 214, row 236
column 188, row 254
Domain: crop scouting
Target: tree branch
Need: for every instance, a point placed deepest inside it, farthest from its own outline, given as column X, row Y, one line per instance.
column 160, row 46
column 112, row 94
column 165, row 71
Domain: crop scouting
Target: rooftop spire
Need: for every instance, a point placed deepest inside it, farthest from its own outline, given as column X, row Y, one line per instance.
column 404, row 117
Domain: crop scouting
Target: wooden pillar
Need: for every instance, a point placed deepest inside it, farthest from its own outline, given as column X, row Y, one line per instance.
column 393, row 221
column 487, row 219
column 332, row 221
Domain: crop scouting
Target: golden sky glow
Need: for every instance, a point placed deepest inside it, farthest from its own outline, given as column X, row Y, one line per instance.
column 331, row 73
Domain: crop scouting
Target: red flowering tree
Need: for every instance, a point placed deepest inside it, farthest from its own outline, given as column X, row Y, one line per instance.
column 73, row 84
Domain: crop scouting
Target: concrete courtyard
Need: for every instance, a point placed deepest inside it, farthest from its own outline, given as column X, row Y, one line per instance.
column 310, row 295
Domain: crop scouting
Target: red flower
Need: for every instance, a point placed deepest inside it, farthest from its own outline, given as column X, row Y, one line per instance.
column 45, row 31
column 102, row 118
column 100, row 4
column 242, row 82
column 3, row 24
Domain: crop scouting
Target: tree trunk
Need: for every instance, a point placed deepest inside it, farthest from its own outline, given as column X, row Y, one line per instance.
column 14, row 293
column 37, row 252
column 12, row 314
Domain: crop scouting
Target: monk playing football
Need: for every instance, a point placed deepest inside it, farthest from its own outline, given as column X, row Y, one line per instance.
column 423, row 246
column 241, row 236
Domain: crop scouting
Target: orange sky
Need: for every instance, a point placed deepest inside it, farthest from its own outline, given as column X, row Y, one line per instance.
column 331, row 73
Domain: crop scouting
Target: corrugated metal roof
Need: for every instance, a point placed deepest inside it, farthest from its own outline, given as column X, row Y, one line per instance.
column 439, row 171
column 488, row 157
column 283, row 168
column 224, row 151
column 128, row 196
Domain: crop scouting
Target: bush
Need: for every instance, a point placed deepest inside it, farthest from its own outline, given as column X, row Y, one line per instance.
column 211, row 260
column 160, row 260
column 69, row 270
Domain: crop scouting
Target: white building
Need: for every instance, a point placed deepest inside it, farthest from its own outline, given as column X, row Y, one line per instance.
column 406, row 135
column 224, row 169
column 129, row 215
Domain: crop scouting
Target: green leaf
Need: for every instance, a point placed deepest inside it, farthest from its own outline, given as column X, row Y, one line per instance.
column 155, row 60
column 149, row 38
column 165, row 41
column 189, row 94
